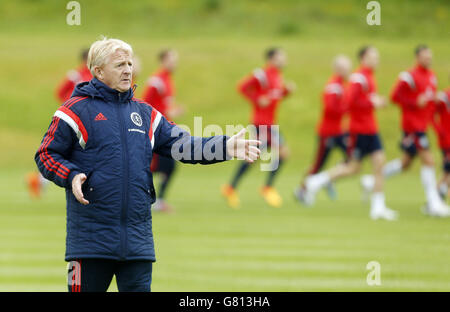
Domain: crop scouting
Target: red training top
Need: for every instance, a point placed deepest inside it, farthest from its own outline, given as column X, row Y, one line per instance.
column 409, row 86
column 333, row 109
column 73, row 77
column 358, row 99
column 441, row 120
column 159, row 91
column 264, row 82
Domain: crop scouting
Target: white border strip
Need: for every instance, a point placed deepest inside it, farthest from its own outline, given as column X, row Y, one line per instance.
column 154, row 126
column 73, row 125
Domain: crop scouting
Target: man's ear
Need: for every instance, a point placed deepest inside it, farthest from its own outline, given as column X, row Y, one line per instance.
column 98, row 72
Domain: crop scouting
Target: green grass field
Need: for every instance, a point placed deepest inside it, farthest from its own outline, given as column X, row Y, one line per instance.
column 205, row 246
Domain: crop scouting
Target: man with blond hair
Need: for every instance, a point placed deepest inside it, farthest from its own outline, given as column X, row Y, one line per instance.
column 99, row 147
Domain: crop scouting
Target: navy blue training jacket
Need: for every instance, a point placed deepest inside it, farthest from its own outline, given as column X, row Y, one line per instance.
column 111, row 136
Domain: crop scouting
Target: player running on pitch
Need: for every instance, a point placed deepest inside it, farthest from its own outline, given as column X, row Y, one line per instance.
column 160, row 92
column 362, row 99
column 441, row 123
column 36, row 183
column 414, row 93
column 264, row 89
column 330, row 129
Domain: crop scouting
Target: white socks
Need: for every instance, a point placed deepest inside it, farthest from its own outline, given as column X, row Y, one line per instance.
column 392, row 168
column 317, row 181
column 378, row 209
column 429, row 184
column 377, row 201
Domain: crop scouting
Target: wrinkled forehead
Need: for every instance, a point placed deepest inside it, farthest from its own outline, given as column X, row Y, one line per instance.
column 119, row 56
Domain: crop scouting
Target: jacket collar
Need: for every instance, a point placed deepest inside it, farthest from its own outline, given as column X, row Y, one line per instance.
column 110, row 94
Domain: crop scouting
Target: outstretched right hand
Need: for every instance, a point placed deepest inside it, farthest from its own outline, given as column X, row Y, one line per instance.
column 77, row 182
column 238, row 146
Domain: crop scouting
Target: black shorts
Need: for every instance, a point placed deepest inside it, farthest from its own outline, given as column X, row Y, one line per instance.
column 325, row 145
column 361, row 145
column 446, row 160
column 412, row 142
column 95, row 275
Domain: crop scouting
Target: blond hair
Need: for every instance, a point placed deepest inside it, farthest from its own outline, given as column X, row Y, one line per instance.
column 100, row 51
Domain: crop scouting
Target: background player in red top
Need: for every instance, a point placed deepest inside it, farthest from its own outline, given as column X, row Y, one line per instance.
column 362, row 100
column 441, row 123
column 159, row 92
column 414, row 92
column 330, row 128
column 264, row 89
column 73, row 77
column 36, row 183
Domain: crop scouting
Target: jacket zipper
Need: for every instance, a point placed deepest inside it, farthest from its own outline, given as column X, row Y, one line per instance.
column 124, row 149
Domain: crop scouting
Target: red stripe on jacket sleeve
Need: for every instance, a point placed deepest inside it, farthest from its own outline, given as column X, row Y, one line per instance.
column 48, row 161
column 77, row 120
